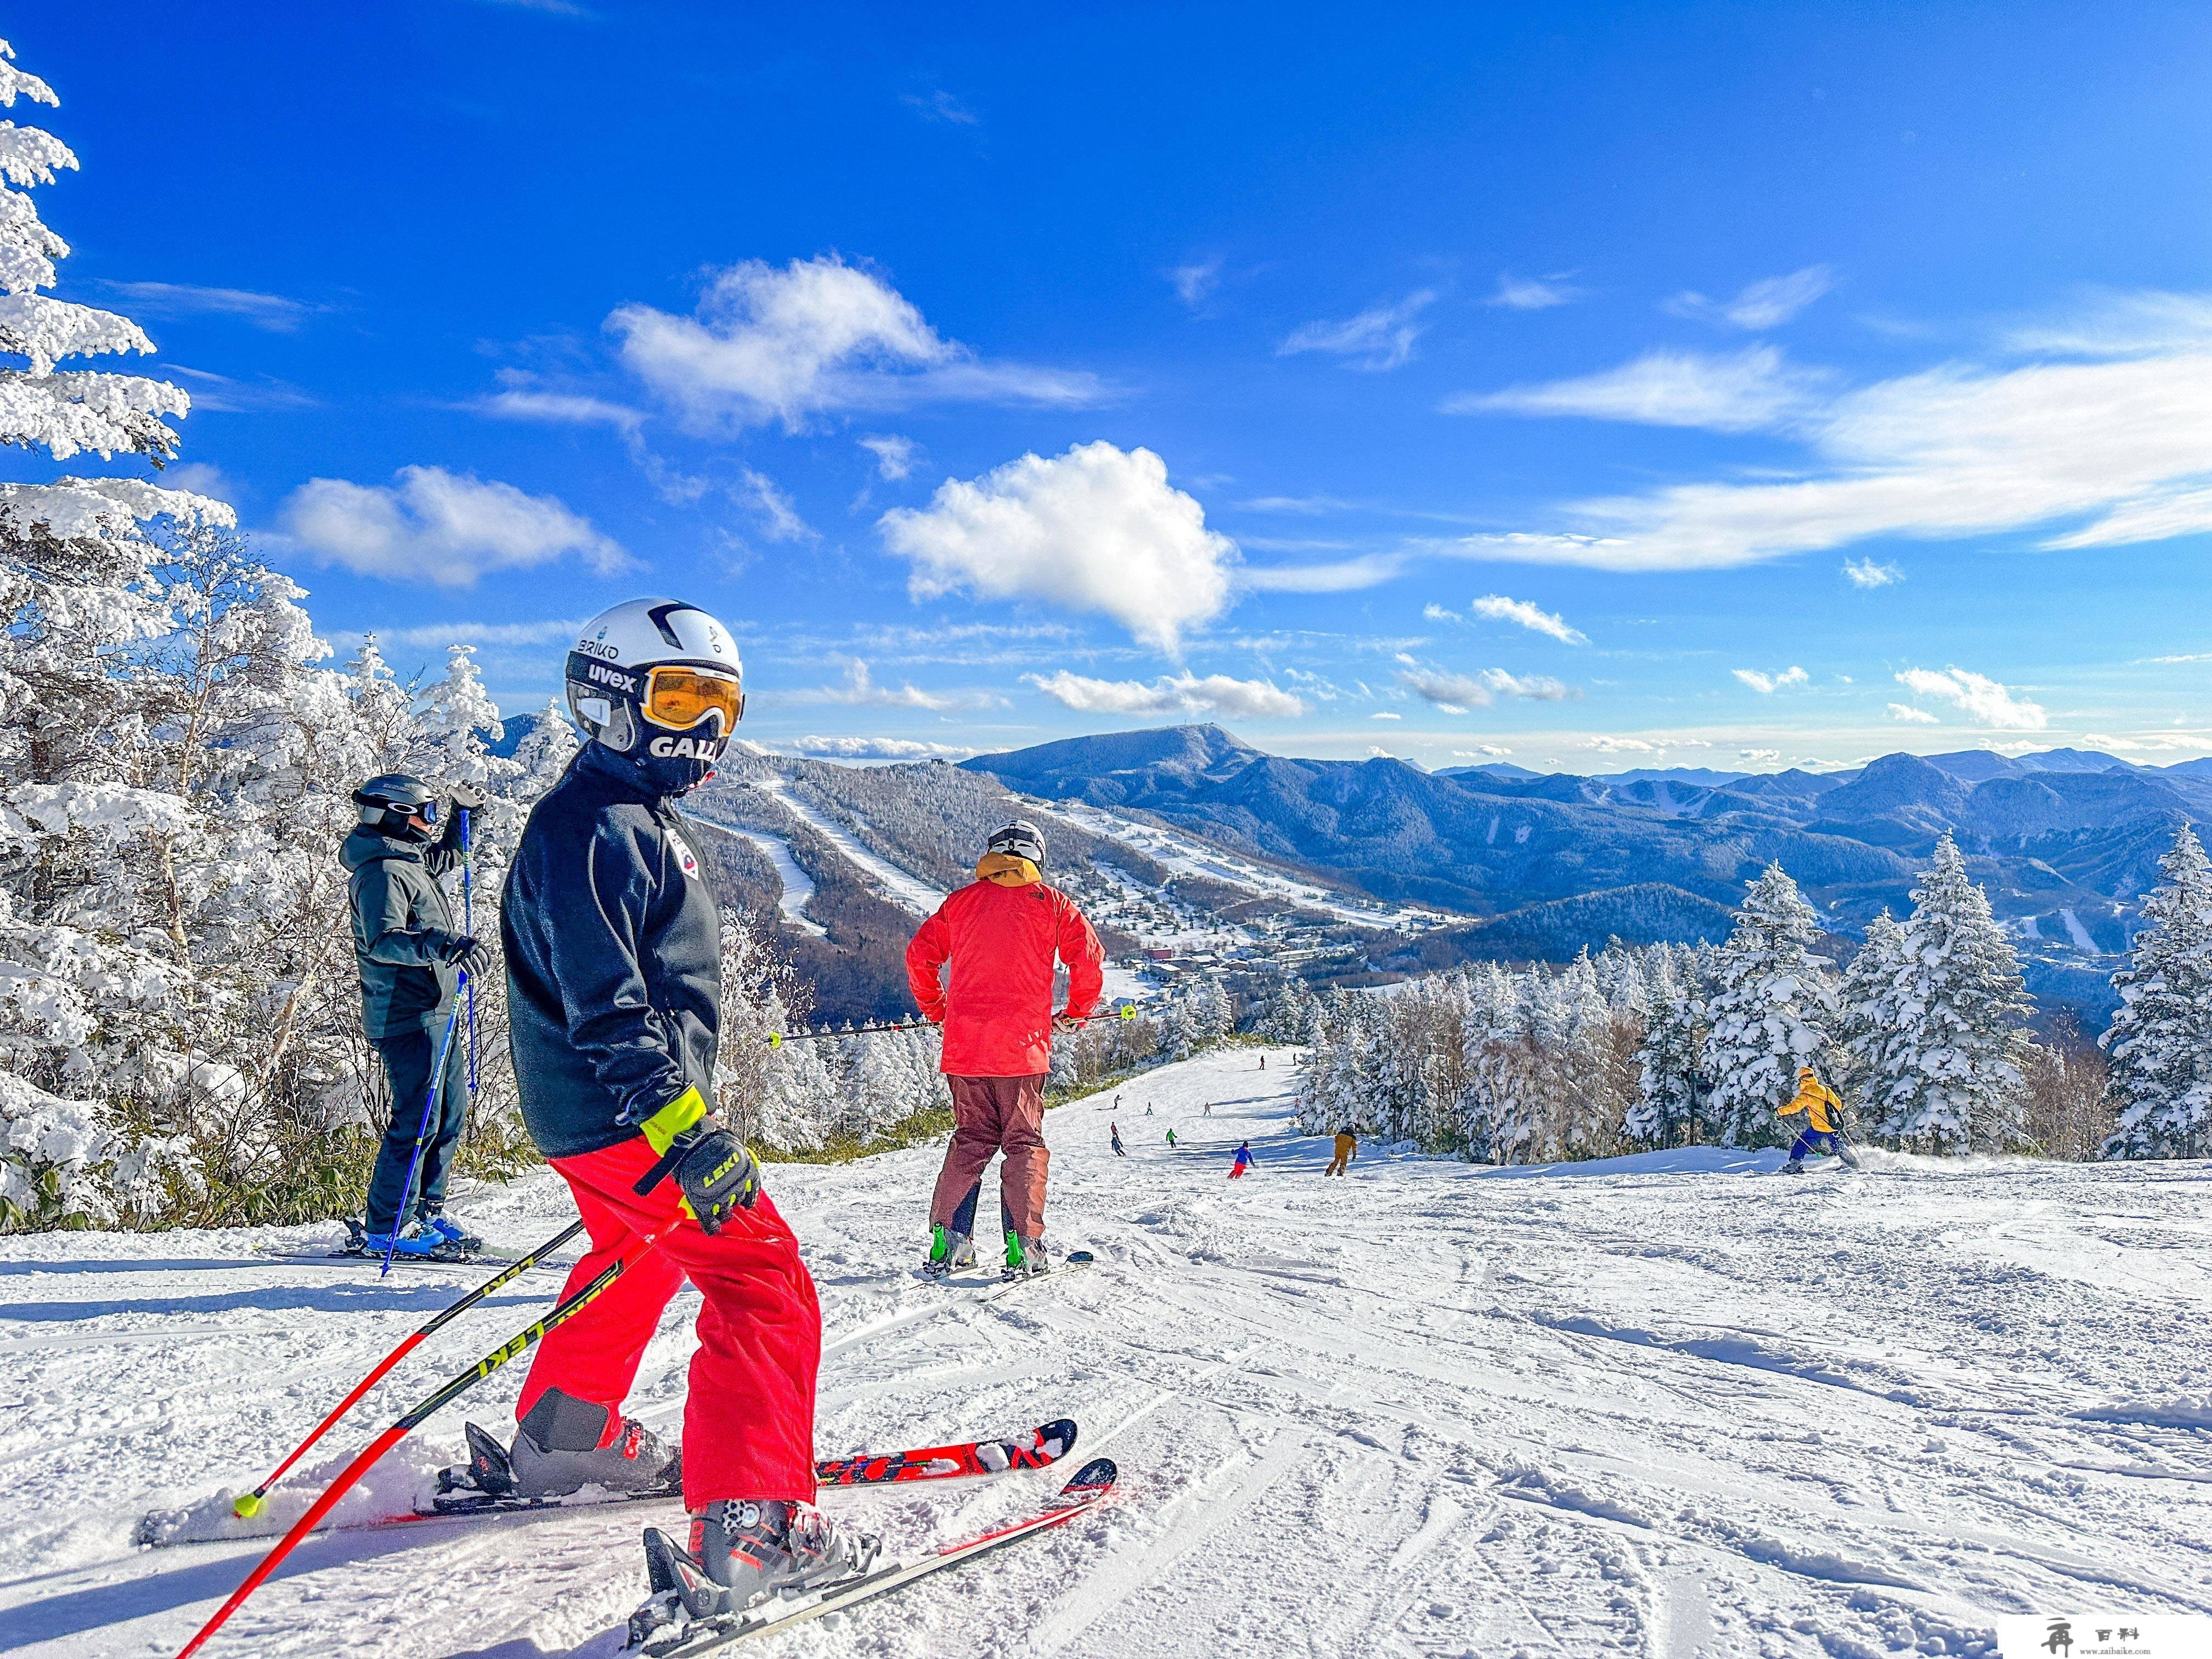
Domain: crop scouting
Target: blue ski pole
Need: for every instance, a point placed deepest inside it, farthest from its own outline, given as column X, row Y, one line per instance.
column 421, row 1133
column 469, row 926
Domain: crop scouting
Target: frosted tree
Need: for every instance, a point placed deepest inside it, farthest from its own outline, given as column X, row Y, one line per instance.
column 543, row 756
column 1769, row 1011
column 1866, row 1007
column 1948, row 1075
column 2160, row 1040
column 1666, row 1109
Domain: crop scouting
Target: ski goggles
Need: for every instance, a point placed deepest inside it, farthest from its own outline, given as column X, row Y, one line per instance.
column 677, row 696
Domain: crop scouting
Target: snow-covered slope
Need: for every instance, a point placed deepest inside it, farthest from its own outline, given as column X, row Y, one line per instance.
column 1665, row 1406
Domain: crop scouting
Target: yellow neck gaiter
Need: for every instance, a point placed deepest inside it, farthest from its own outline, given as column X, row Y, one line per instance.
column 1007, row 871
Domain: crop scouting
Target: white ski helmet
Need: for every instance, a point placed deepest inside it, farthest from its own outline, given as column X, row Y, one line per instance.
column 659, row 679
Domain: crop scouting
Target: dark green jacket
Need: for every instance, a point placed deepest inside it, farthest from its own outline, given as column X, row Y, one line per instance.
column 402, row 926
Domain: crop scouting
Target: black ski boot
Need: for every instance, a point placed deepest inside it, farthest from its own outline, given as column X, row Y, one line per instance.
column 557, row 1452
column 742, row 1552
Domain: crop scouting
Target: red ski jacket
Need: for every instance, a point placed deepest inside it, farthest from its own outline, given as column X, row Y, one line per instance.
column 1001, row 940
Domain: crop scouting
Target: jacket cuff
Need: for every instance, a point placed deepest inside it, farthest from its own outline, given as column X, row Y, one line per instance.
column 685, row 1112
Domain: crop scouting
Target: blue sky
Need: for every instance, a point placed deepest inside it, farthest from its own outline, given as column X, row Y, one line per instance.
column 1589, row 387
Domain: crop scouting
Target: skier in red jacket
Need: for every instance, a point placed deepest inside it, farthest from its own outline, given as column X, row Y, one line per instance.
column 1001, row 934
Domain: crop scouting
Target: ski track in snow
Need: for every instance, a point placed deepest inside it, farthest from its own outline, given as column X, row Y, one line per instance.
column 797, row 885
column 1664, row 1405
column 898, row 885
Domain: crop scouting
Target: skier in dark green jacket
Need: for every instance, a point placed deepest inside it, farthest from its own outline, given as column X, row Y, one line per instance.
column 411, row 955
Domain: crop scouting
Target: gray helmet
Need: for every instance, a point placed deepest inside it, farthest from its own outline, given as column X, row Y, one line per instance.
column 1020, row 839
column 389, row 801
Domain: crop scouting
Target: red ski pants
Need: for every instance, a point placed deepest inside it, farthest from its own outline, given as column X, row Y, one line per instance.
column 990, row 1114
column 749, row 1416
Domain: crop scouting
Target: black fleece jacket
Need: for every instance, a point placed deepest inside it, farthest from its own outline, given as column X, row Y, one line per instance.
column 613, row 958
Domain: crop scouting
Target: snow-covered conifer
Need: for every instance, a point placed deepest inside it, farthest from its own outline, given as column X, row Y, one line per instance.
column 2160, row 1040
column 1665, row 1112
column 1769, row 1010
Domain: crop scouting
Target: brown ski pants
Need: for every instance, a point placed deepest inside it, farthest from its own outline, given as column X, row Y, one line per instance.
column 992, row 1114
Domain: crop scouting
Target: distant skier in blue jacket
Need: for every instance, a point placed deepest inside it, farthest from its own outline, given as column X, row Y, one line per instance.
column 1243, row 1161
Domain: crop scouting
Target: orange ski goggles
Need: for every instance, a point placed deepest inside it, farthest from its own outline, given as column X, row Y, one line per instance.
column 678, row 695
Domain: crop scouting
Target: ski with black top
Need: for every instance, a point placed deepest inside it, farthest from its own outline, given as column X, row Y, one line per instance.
column 1092, row 1482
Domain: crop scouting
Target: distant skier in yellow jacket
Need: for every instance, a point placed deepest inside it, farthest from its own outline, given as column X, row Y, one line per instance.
column 1823, row 1109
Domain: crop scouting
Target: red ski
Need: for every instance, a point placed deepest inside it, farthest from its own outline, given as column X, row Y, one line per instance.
column 1033, row 1451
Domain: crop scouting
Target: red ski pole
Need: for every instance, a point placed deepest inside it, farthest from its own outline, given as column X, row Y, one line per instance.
column 249, row 1504
column 454, row 1389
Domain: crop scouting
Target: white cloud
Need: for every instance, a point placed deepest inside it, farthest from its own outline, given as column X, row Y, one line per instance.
column 861, row 692
column 201, row 479
column 561, row 408
column 1980, row 696
column 1760, row 756
column 1529, row 294
column 1194, row 282
column 1386, row 714
column 1172, row 694
column 1096, row 529
column 1766, row 684
column 941, row 105
column 895, row 456
column 272, row 311
column 430, row 525
column 1437, row 613
column 817, row 335
column 1762, row 305
column 2118, row 326
column 779, row 519
column 213, row 393
column 2150, row 742
column 2123, row 446
column 1380, row 337
column 1481, row 751
column 1457, row 693
column 1301, row 504
column 1339, row 576
column 1623, row 746
column 890, row 749
column 1524, row 614
column 1906, row 712
column 1753, row 390
column 1865, row 572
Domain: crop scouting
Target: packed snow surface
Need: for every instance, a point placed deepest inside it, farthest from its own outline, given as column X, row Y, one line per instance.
column 902, row 887
column 797, row 885
column 1669, row 1404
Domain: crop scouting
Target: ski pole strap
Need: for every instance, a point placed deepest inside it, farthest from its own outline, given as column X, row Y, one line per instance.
column 659, row 1173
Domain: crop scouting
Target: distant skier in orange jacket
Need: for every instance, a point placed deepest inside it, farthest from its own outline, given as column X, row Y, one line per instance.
column 1001, row 934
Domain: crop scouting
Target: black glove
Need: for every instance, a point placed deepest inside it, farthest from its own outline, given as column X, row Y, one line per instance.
column 469, row 797
column 471, row 956
column 716, row 1172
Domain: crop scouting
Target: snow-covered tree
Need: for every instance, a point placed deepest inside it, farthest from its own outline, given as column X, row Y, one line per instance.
column 1947, row 1075
column 1666, row 1109
column 2160, row 1040
column 1769, row 1010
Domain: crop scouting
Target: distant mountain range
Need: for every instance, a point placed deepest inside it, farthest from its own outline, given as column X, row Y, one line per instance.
column 2065, row 842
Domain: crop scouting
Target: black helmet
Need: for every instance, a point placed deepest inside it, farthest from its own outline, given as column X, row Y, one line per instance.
column 1021, row 839
column 389, row 801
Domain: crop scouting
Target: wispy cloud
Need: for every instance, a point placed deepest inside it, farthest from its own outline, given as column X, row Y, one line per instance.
column 1194, row 282
column 221, row 394
column 787, row 344
column 1622, row 746
column 941, row 105
column 1531, row 294
column 860, row 690
column 1175, row 694
column 1907, row 713
column 1522, row 613
column 1765, row 684
column 1763, row 305
column 559, row 408
column 1981, row 698
column 1339, row 576
column 895, row 456
column 1456, row 694
column 779, row 519
column 433, row 634
column 882, row 749
column 1380, row 337
column 1750, row 390
column 1865, row 572
column 273, row 312
column 433, row 526
column 2123, row 446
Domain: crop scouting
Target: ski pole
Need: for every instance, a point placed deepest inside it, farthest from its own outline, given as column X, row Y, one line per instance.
column 422, row 1134
column 459, row 1384
column 249, row 1504
column 469, row 926
column 777, row 1039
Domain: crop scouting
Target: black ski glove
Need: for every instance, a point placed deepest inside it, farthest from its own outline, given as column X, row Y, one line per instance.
column 471, row 956
column 715, row 1170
